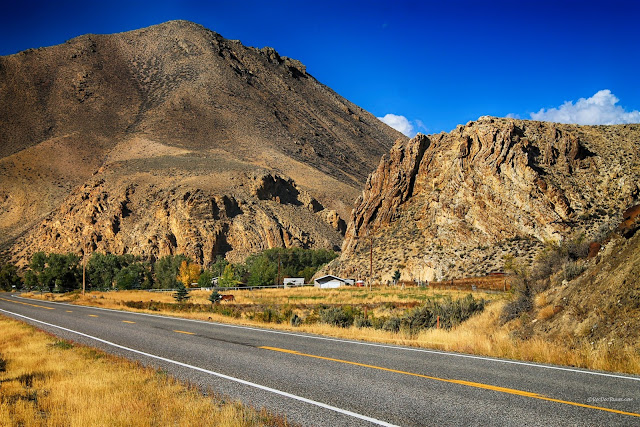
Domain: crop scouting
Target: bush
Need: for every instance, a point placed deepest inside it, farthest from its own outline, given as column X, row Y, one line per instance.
column 337, row 316
column 362, row 322
column 522, row 303
column 572, row 270
column 392, row 324
column 295, row 320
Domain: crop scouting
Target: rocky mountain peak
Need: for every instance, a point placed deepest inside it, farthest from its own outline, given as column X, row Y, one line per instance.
column 488, row 188
column 170, row 110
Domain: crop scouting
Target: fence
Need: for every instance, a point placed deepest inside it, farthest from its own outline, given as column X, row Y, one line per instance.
column 500, row 282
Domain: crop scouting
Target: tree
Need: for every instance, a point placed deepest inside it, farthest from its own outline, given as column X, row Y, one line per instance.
column 217, row 268
column 215, row 297
column 205, row 279
column 396, row 277
column 166, row 271
column 103, row 269
column 9, row 278
column 31, row 280
column 60, row 272
column 182, row 294
column 228, row 279
column 188, row 273
column 133, row 276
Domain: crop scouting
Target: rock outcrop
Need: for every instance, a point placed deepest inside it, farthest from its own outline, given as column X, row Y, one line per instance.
column 104, row 136
column 453, row 205
column 151, row 220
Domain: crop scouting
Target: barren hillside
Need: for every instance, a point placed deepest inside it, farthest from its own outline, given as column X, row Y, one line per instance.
column 174, row 139
column 453, row 205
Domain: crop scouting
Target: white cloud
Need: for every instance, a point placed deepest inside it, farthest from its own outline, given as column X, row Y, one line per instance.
column 600, row 109
column 399, row 123
column 421, row 126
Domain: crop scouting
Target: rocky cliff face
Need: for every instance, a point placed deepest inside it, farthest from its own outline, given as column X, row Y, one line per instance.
column 124, row 139
column 453, row 205
column 151, row 220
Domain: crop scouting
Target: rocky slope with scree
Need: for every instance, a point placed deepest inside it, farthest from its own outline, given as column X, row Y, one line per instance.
column 173, row 139
column 455, row 204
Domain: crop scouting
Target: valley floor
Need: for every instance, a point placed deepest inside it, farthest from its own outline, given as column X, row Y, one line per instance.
column 482, row 334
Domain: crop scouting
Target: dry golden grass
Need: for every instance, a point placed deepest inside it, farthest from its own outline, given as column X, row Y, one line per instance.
column 304, row 295
column 48, row 382
column 482, row 334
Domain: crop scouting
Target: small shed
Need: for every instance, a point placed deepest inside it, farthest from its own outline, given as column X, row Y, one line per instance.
column 293, row 281
column 330, row 281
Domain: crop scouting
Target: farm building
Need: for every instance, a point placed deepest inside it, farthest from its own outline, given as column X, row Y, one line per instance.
column 330, row 281
column 293, row 281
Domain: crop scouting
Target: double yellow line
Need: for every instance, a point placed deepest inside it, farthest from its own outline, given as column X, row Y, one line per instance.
column 26, row 303
column 461, row 382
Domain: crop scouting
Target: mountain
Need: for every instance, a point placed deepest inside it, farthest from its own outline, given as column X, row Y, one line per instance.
column 456, row 204
column 173, row 139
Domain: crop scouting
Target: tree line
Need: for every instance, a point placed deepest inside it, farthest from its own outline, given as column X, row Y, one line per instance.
column 63, row 272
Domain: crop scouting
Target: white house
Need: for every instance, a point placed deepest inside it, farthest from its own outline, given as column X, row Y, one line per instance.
column 293, row 281
column 330, row 281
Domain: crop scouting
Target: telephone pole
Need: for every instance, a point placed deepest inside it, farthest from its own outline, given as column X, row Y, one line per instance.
column 370, row 263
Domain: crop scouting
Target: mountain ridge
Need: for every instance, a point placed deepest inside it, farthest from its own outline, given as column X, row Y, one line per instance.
column 487, row 189
column 179, row 105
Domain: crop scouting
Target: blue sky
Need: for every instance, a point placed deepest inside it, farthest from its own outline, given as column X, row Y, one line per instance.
column 431, row 64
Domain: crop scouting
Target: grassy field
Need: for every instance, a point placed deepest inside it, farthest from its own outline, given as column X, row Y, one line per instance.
column 482, row 334
column 49, row 382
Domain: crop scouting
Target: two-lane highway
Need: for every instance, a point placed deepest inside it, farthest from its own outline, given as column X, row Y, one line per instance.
column 315, row 380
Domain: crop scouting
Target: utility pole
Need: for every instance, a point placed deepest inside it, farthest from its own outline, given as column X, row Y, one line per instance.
column 370, row 263
column 84, row 267
column 278, row 278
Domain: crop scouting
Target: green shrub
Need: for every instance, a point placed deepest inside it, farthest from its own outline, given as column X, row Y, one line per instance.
column 572, row 270
column 295, row 320
column 392, row 324
column 362, row 322
column 337, row 316
column 522, row 303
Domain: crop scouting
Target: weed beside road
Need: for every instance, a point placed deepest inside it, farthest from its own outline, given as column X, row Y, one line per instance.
column 50, row 382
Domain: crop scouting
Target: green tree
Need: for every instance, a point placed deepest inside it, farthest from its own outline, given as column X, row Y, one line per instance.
column 215, row 297
column 31, row 281
column 217, row 268
column 396, row 277
column 166, row 271
column 60, row 272
column 205, row 279
column 228, row 277
column 102, row 270
column 133, row 276
column 38, row 262
column 9, row 278
column 182, row 294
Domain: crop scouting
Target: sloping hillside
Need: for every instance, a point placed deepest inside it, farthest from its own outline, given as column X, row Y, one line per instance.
column 454, row 205
column 102, row 133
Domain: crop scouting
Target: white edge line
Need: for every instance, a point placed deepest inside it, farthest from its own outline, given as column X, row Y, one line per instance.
column 217, row 374
column 317, row 337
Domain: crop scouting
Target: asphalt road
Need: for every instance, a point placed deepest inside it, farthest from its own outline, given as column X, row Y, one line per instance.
column 322, row 381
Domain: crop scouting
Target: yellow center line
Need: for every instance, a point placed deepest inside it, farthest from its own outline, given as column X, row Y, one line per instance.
column 69, row 311
column 461, row 382
column 26, row 303
column 93, row 315
column 127, row 321
column 183, row 332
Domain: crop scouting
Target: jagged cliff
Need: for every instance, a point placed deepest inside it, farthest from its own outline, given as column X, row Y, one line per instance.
column 453, row 205
column 144, row 141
